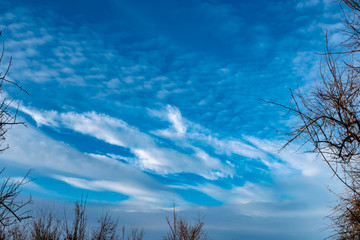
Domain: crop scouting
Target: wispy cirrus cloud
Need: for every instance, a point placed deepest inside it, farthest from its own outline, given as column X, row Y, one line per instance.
column 150, row 155
column 202, row 144
column 57, row 160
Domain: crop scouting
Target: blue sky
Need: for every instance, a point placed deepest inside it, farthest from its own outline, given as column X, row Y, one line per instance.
column 140, row 104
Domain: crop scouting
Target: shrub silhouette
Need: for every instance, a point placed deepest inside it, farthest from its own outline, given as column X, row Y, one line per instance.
column 181, row 229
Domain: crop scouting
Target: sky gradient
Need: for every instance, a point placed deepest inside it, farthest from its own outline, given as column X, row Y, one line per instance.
column 139, row 104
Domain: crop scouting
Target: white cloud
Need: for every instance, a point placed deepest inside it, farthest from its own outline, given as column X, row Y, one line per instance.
column 32, row 149
column 306, row 163
column 307, row 3
column 192, row 132
column 175, row 118
column 286, row 162
column 103, row 185
column 178, row 125
column 150, row 156
column 47, row 118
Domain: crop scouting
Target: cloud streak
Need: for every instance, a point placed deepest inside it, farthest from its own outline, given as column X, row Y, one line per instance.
column 150, row 156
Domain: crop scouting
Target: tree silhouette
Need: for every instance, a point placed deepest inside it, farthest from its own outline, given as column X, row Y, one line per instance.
column 10, row 204
column 181, row 229
column 329, row 117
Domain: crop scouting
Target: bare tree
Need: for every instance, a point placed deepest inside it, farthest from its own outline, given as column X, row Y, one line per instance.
column 77, row 231
column 107, row 229
column 10, row 203
column 18, row 231
column 45, row 226
column 329, row 117
column 135, row 234
column 7, row 117
column 346, row 218
column 181, row 229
